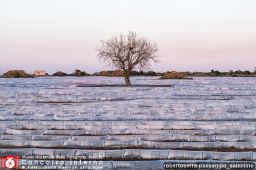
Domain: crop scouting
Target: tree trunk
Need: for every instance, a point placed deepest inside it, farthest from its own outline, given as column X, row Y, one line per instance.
column 127, row 79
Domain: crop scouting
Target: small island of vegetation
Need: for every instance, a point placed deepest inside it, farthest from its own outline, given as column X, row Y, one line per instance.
column 120, row 73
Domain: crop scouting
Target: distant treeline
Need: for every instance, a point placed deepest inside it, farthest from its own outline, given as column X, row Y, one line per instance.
column 216, row 73
column 120, row 73
column 212, row 73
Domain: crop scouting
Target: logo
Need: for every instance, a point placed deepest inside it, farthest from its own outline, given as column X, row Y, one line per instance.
column 10, row 162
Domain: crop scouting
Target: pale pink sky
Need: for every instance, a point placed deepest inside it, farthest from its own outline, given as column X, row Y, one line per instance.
column 194, row 35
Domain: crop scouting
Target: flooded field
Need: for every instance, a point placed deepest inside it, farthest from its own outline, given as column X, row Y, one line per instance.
column 211, row 119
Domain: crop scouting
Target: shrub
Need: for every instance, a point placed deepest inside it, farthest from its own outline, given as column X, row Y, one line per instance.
column 60, row 73
column 174, row 75
column 16, row 74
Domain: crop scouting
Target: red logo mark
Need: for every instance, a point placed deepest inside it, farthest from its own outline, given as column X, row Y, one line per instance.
column 10, row 162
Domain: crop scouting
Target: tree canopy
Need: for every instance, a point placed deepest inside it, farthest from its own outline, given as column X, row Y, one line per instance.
column 128, row 52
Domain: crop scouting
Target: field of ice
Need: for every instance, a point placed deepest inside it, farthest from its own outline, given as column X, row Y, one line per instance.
column 211, row 119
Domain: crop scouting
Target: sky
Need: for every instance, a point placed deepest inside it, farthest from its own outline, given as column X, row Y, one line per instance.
column 192, row 35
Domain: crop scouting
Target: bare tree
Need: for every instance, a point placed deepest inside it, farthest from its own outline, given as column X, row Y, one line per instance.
column 128, row 53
